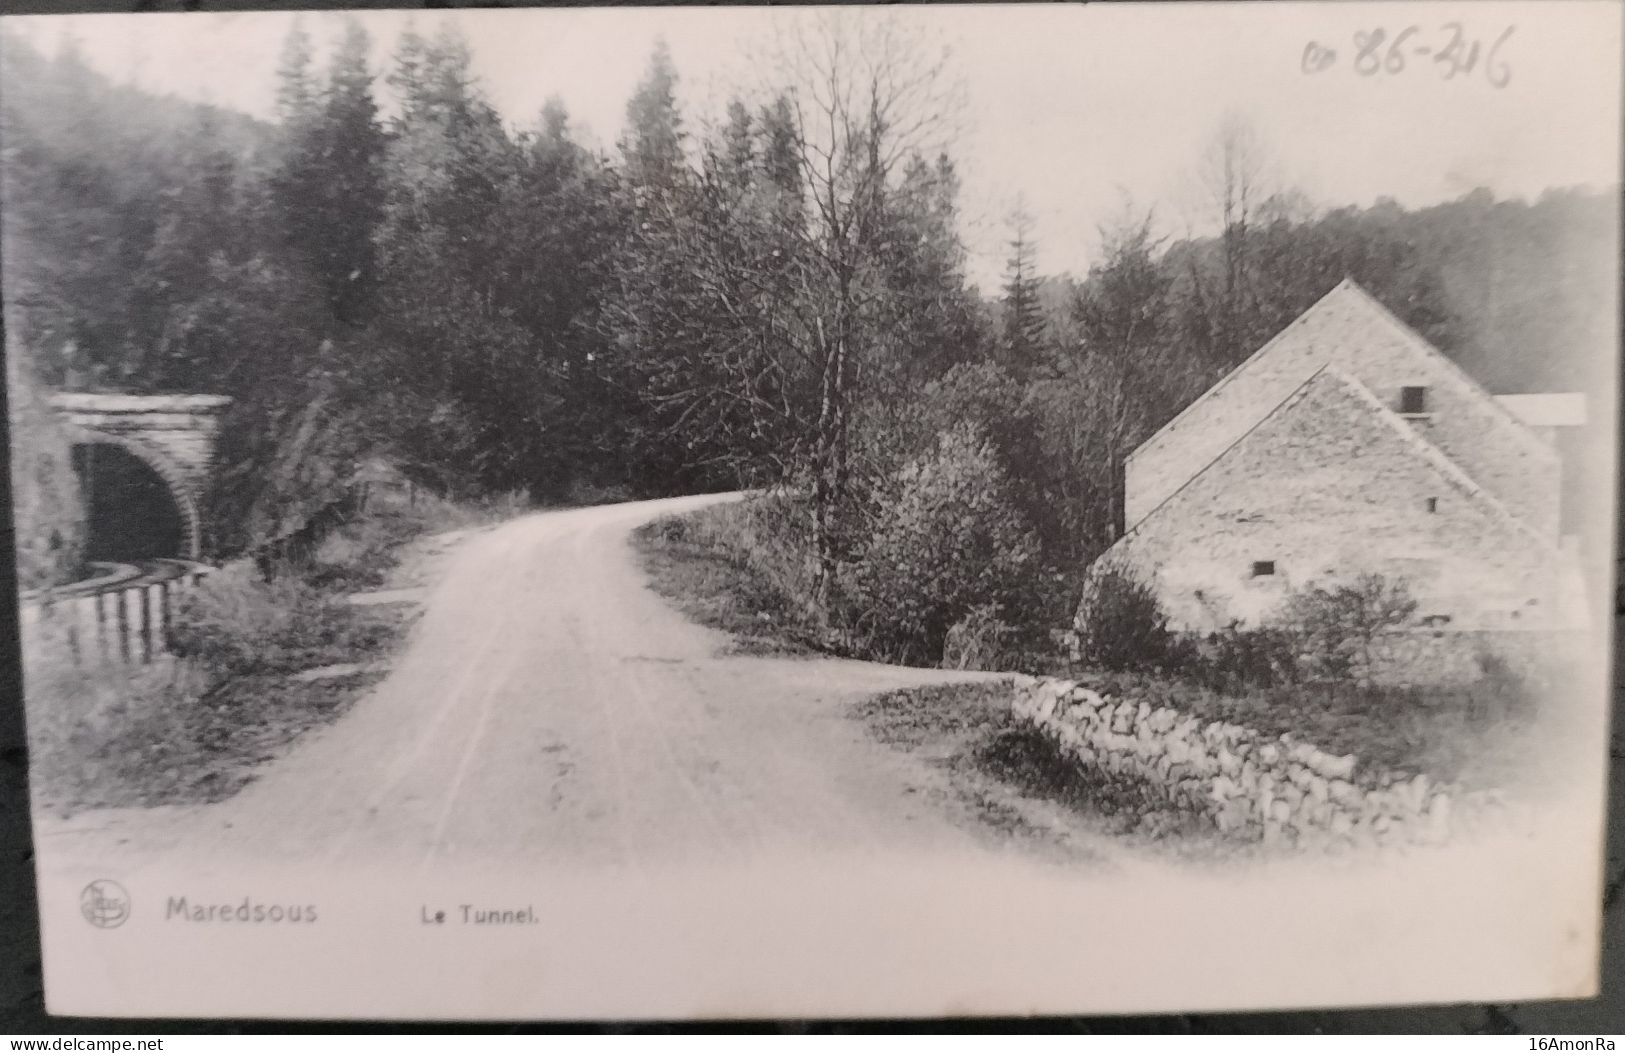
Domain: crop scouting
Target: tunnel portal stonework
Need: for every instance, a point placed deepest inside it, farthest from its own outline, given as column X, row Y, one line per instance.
column 173, row 434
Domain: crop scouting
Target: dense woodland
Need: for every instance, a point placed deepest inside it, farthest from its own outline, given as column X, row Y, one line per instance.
column 395, row 269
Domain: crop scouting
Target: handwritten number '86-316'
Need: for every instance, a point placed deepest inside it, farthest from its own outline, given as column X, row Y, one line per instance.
column 1376, row 52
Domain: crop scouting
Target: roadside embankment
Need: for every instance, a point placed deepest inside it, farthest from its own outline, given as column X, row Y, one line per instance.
column 246, row 665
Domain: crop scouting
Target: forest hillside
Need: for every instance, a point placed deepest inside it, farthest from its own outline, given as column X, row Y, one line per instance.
column 493, row 306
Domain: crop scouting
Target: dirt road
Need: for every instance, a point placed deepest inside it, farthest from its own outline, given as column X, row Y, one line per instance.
column 709, row 835
column 548, row 705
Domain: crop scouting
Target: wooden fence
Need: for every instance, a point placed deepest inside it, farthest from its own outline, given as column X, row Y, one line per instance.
column 120, row 621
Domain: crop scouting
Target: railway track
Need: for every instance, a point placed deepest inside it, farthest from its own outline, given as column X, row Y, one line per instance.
column 113, row 577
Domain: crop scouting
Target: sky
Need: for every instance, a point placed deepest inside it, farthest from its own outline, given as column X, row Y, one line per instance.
column 1078, row 113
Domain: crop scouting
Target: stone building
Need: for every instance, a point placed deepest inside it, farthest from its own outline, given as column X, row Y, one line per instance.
column 1349, row 445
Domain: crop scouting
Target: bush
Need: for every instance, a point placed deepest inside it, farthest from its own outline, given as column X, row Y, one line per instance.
column 235, row 624
column 979, row 640
column 115, row 734
column 772, row 535
column 93, row 728
column 195, row 729
column 946, row 540
column 586, row 492
column 1034, row 429
column 1238, row 658
column 1337, row 626
column 1121, row 625
column 732, row 567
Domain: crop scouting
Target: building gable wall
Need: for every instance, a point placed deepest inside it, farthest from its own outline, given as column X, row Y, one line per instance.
column 1328, row 487
column 1351, row 332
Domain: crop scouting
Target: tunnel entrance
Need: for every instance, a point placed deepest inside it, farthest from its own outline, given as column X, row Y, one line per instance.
column 131, row 513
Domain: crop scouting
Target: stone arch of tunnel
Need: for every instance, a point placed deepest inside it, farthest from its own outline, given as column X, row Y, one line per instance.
column 138, row 504
column 144, row 462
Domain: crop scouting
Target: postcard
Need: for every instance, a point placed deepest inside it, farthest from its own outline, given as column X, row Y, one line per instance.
column 685, row 512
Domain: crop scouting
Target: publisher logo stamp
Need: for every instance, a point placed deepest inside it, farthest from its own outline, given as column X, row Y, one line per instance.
column 105, row 904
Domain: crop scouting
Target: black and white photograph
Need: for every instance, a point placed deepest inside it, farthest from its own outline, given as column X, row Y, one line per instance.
column 742, row 512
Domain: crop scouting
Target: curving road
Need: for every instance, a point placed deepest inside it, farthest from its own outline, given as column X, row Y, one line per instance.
column 549, row 705
column 719, row 836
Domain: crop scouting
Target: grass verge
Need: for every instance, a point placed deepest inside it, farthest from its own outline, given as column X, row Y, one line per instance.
column 721, row 567
column 195, row 727
column 712, row 566
column 1015, row 780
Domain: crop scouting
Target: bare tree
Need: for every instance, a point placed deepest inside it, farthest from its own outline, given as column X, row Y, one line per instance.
column 777, row 275
column 1339, row 625
column 1233, row 172
column 867, row 96
column 1121, row 314
column 1235, row 180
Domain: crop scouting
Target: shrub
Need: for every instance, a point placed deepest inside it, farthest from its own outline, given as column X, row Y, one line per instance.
column 1336, row 626
column 1120, row 625
column 358, row 556
column 770, row 534
column 1504, row 692
column 95, row 727
column 1239, row 658
column 1034, row 429
column 673, row 530
column 979, row 640
column 585, row 492
column 718, row 566
column 945, row 540
column 116, row 734
column 235, row 624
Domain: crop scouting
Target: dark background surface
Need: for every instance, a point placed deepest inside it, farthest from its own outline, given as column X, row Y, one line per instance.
column 22, row 1008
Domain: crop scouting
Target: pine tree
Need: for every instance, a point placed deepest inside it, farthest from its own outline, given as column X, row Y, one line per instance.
column 203, row 233
column 296, row 182
column 739, row 144
column 465, row 330
column 663, row 209
column 295, row 90
column 780, row 163
column 1024, row 340
column 406, row 69
column 326, row 193
column 935, row 320
column 350, row 202
column 653, row 143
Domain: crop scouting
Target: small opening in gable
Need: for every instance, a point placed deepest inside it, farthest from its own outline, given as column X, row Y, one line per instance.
column 1263, row 568
column 1433, row 504
column 1413, row 399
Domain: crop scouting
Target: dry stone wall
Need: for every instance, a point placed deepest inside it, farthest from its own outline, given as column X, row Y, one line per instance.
column 1250, row 787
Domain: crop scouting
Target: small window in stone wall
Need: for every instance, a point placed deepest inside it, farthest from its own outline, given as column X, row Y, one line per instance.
column 1433, row 504
column 1413, row 400
column 1263, row 568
